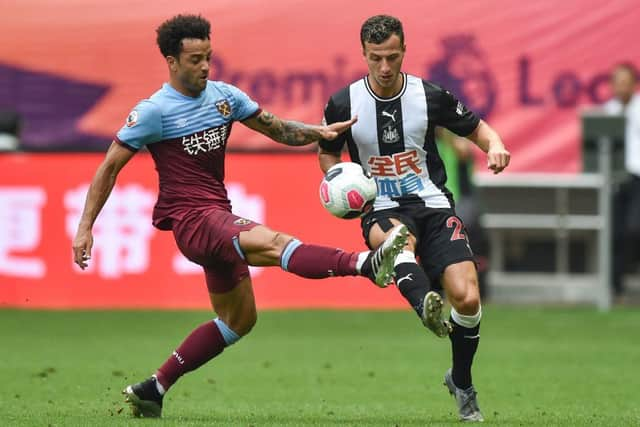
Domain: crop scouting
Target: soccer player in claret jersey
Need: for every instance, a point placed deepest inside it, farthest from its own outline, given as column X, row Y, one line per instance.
column 394, row 140
column 185, row 126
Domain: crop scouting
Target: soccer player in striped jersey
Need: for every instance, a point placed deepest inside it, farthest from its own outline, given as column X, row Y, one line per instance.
column 185, row 125
column 394, row 140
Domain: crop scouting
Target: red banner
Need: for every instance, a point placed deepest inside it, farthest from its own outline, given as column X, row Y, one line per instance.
column 527, row 67
column 136, row 266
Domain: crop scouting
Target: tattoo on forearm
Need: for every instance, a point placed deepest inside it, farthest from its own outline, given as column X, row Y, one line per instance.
column 266, row 118
column 288, row 132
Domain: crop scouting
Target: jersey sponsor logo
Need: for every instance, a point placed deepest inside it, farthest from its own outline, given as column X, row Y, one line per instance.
column 242, row 221
column 398, row 187
column 395, row 165
column 132, row 118
column 224, row 108
column 206, row 140
column 397, row 175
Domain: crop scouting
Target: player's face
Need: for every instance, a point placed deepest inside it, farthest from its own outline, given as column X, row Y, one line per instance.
column 190, row 71
column 384, row 61
column 623, row 84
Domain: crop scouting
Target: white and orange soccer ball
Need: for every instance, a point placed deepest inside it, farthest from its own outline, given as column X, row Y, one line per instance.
column 347, row 191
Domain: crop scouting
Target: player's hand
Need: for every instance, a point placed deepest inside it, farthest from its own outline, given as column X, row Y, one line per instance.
column 82, row 245
column 331, row 131
column 497, row 159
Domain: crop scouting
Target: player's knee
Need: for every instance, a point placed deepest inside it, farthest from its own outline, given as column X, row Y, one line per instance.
column 465, row 296
column 262, row 246
column 235, row 329
column 248, row 320
column 281, row 241
column 276, row 243
column 241, row 323
column 251, row 320
column 248, row 323
column 471, row 304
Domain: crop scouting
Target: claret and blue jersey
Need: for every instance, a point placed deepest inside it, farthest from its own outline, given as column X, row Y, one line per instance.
column 187, row 138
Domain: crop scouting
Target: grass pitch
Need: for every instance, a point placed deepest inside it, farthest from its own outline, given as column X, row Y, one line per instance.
column 535, row 366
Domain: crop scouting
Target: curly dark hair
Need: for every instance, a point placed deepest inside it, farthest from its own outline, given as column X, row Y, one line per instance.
column 379, row 28
column 172, row 31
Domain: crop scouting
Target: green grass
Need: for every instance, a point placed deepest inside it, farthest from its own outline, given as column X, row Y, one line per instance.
column 535, row 366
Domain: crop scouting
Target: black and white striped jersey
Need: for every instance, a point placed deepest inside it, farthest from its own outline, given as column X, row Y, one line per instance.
column 394, row 138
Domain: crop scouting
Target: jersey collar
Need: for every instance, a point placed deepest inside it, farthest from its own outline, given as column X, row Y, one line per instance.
column 167, row 86
column 392, row 98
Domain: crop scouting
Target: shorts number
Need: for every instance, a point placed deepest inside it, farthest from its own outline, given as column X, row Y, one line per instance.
column 456, row 224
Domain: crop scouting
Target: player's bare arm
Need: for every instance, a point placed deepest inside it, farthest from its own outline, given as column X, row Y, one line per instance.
column 99, row 190
column 461, row 145
column 490, row 142
column 294, row 133
column 328, row 159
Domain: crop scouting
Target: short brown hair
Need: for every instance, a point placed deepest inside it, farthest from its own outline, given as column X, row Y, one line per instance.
column 379, row 28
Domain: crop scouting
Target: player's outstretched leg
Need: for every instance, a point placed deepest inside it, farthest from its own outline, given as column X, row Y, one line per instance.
column 264, row 247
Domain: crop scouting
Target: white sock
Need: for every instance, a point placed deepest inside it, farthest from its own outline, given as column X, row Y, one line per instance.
column 405, row 256
column 466, row 321
column 159, row 387
column 362, row 256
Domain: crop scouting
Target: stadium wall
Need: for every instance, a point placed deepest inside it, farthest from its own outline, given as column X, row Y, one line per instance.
column 134, row 265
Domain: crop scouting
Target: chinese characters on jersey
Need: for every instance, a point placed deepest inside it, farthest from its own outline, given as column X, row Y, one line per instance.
column 397, row 175
column 206, row 140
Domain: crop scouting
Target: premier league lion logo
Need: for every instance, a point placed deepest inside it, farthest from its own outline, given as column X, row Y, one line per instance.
column 463, row 70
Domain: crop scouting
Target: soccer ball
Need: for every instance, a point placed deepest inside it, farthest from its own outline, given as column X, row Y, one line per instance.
column 347, row 191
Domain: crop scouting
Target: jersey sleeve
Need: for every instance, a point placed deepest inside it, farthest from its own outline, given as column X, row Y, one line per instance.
column 332, row 114
column 242, row 106
column 143, row 126
column 449, row 112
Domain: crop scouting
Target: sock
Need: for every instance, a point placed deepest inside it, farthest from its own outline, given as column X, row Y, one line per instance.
column 411, row 280
column 464, row 343
column 159, row 386
column 317, row 262
column 203, row 344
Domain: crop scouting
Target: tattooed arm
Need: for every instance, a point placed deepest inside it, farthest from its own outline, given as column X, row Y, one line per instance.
column 293, row 133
